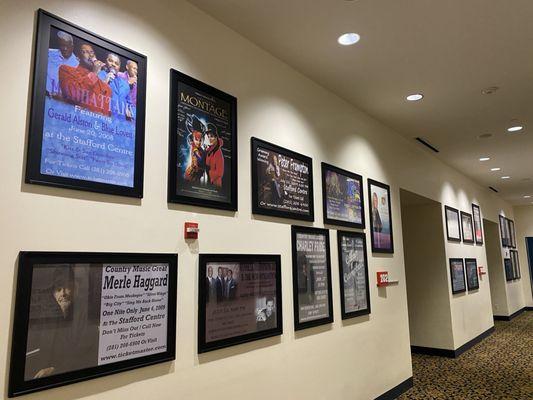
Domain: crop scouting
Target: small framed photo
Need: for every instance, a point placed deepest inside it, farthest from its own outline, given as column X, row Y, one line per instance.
column 380, row 217
column 457, row 273
column 353, row 274
column 342, row 197
column 515, row 264
column 478, row 224
column 80, row 316
column 202, row 164
column 467, row 227
column 311, row 277
column 282, row 182
column 472, row 278
column 512, row 234
column 453, row 227
column 508, row 265
column 87, row 111
column 239, row 299
column 504, row 231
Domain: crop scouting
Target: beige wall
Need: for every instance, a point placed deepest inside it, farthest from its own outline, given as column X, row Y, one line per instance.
column 495, row 269
column 524, row 228
column 359, row 359
column 430, row 319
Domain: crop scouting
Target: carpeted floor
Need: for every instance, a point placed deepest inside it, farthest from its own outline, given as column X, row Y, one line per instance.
column 500, row 367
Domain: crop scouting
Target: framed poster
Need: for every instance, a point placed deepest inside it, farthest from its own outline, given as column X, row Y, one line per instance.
column 457, row 273
column 342, row 197
column 353, row 274
column 453, row 227
column 380, row 217
column 202, row 155
column 80, row 316
column 472, row 278
column 515, row 265
column 467, row 227
column 239, row 299
column 512, row 234
column 87, row 111
column 478, row 224
column 508, row 265
column 311, row 277
column 282, row 182
column 504, row 231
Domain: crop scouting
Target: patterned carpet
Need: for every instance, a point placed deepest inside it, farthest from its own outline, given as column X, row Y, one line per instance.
column 500, row 367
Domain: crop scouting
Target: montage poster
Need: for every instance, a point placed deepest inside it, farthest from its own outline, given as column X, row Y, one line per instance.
column 311, row 277
column 87, row 116
column 239, row 299
column 83, row 315
column 457, row 274
column 202, row 145
column 380, row 217
column 342, row 195
column 353, row 273
column 282, row 182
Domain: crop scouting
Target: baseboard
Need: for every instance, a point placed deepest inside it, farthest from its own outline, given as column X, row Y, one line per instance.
column 432, row 351
column 510, row 317
column 397, row 390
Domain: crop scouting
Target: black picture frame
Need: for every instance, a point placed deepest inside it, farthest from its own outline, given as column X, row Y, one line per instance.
column 508, row 267
column 512, row 234
column 205, row 345
column 472, row 277
column 197, row 196
column 458, row 280
column 325, row 196
column 478, row 224
column 328, row 318
column 29, row 262
column 504, row 231
column 70, row 171
column 306, row 161
column 376, row 247
column 515, row 264
column 464, row 229
column 342, row 275
column 449, row 212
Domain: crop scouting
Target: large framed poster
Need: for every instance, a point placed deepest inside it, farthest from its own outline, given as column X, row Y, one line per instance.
column 478, row 224
column 282, row 182
column 512, row 234
column 380, row 217
column 202, row 165
column 311, row 277
column 504, row 231
column 453, row 226
column 87, row 111
column 353, row 274
column 508, row 265
column 239, row 299
column 467, row 227
column 342, row 197
column 472, row 278
column 79, row 316
column 457, row 273
column 515, row 265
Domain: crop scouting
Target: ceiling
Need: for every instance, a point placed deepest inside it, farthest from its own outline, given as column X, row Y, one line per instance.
column 448, row 50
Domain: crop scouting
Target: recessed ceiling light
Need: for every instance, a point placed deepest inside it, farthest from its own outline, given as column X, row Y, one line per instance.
column 490, row 90
column 527, row 196
column 515, row 128
column 348, row 39
column 495, row 169
column 415, row 97
column 484, row 159
column 506, row 177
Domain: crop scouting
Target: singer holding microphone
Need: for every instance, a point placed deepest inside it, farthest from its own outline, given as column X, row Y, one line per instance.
column 119, row 87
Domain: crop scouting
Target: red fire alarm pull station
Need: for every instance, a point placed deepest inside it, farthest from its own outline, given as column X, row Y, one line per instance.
column 481, row 270
column 383, row 278
column 191, row 230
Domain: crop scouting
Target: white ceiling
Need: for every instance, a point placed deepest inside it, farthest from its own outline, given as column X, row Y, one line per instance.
column 448, row 49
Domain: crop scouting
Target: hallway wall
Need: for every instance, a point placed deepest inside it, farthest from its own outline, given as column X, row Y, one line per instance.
column 524, row 228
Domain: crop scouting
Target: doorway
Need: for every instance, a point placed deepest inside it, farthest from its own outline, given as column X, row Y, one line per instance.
column 529, row 249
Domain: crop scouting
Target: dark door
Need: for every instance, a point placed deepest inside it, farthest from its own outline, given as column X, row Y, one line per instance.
column 529, row 243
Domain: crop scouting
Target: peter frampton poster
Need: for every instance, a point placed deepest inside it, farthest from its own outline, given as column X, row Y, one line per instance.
column 203, row 156
column 240, row 299
column 85, row 313
column 87, row 125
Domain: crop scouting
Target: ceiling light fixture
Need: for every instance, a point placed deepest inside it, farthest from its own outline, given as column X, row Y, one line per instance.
column 415, row 97
column 490, row 90
column 506, row 177
column 484, row 159
column 348, row 39
column 515, row 128
column 495, row 169
column 527, row 196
